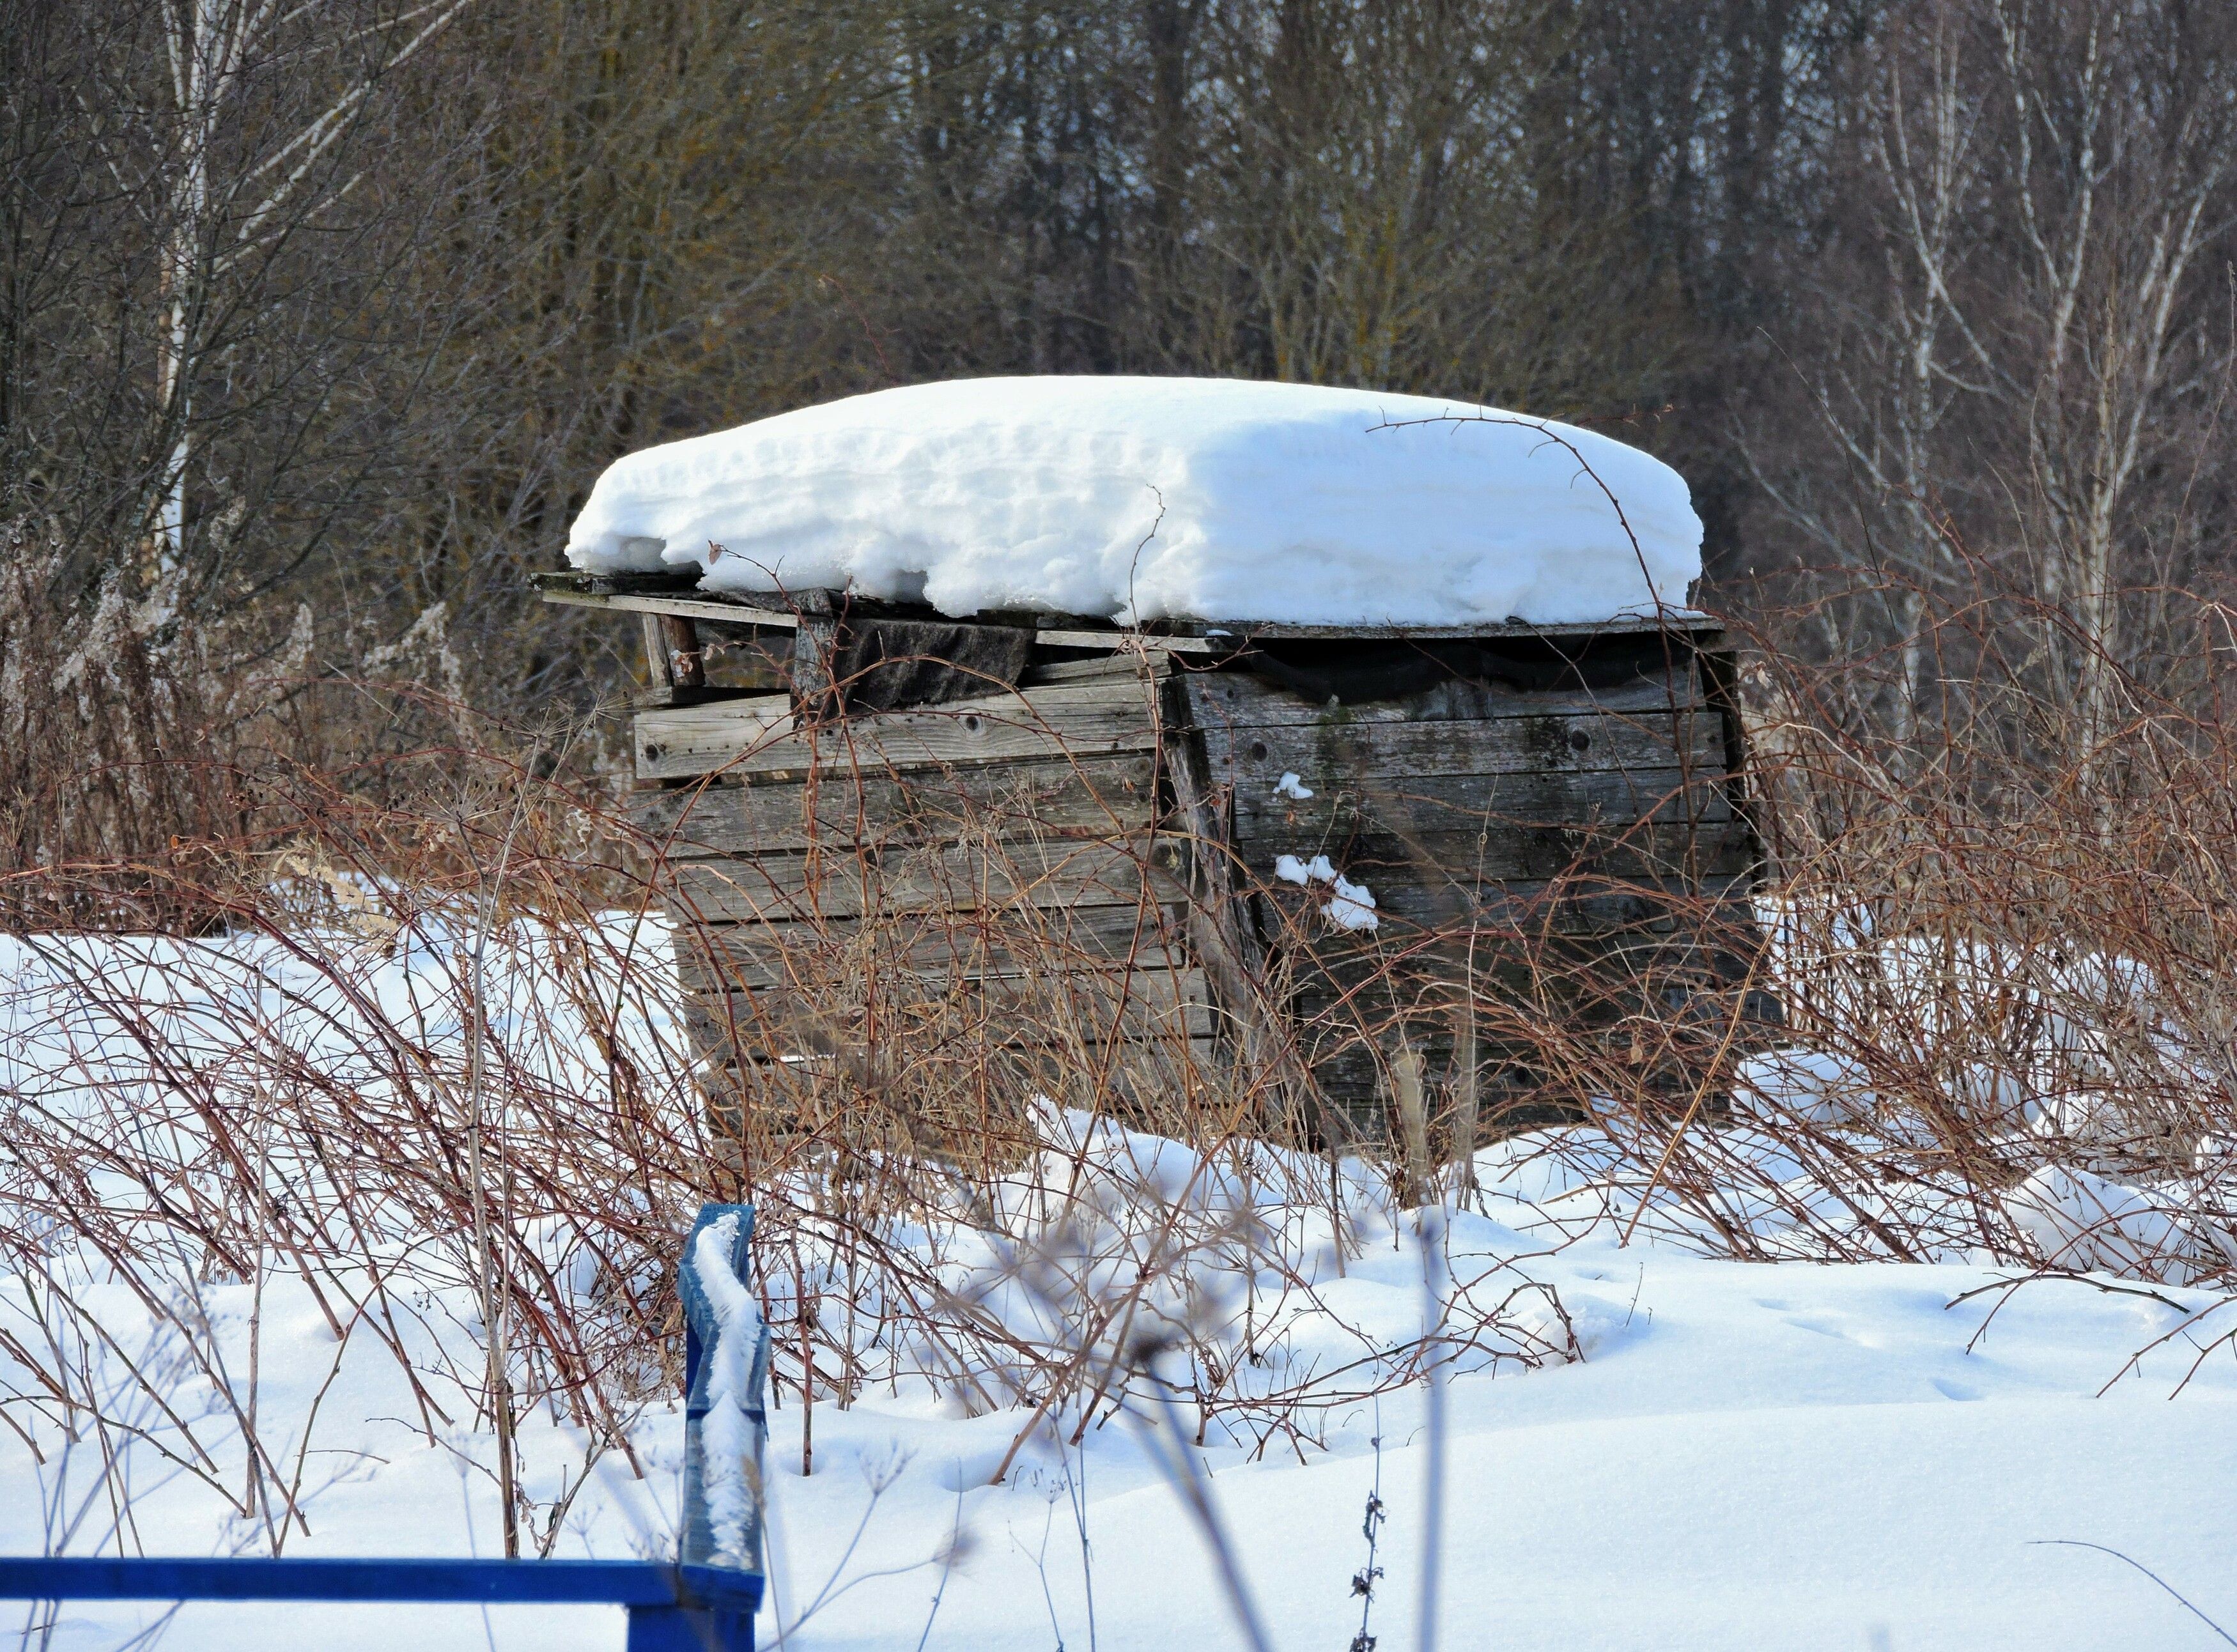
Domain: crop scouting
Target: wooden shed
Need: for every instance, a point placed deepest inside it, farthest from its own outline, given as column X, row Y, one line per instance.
column 954, row 860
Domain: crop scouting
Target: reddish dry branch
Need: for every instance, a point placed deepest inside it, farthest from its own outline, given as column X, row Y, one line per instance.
column 2010, row 945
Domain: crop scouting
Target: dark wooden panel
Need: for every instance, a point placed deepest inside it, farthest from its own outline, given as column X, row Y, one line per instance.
column 1107, row 796
column 1551, row 1078
column 887, row 664
column 758, row 956
column 1512, row 1094
column 909, row 880
column 1440, row 965
column 1636, row 968
column 1452, row 869
column 1390, row 755
column 1569, row 905
column 1008, row 1011
column 1571, row 973
column 1444, row 802
column 1226, row 700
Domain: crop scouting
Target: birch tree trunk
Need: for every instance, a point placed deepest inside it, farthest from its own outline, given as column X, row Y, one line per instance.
column 242, row 171
column 2025, row 333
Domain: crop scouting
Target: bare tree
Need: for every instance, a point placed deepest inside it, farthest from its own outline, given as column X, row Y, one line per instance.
column 210, row 365
column 2022, row 347
column 240, row 141
column 2123, row 128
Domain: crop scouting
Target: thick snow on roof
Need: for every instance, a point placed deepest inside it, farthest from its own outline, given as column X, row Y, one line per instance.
column 1153, row 498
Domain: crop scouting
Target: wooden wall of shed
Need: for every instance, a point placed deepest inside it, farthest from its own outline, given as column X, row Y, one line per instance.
column 930, row 914
column 1561, row 878
column 922, row 918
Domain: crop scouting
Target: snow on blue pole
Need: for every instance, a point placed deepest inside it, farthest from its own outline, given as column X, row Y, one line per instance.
column 726, row 1357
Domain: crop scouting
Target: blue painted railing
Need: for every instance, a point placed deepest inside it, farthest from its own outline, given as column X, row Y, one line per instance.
column 671, row 1608
column 689, row 1606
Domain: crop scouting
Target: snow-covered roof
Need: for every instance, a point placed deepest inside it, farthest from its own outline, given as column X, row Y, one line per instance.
column 1155, row 498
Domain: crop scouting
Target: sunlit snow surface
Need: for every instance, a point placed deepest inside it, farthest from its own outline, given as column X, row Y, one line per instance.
column 1745, row 1455
column 1148, row 498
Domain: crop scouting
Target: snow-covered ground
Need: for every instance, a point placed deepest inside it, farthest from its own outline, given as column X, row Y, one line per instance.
column 1746, row 1455
column 1642, row 1445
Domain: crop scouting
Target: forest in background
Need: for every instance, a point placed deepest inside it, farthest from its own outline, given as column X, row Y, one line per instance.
column 317, row 322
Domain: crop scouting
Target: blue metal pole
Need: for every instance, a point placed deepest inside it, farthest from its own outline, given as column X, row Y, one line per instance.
column 690, row 1606
column 105, row 1578
column 671, row 1608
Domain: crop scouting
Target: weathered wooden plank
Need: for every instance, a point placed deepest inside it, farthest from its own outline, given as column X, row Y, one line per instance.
column 677, row 591
column 1690, row 625
column 709, row 972
column 1000, row 1012
column 815, row 697
column 1100, row 667
column 754, row 956
column 743, row 738
column 670, row 740
column 1387, row 753
column 1032, row 1007
column 1031, row 871
column 793, row 1071
column 1467, row 860
column 1224, row 699
column 1106, row 796
column 1127, row 642
column 1253, row 734
column 1439, row 802
column 659, row 678
column 693, row 608
column 1579, row 905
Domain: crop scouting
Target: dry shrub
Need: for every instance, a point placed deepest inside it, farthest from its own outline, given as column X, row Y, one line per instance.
column 152, row 748
column 115, row 719
column 1999, row 949
column 409, row 1051
column 1002, row 1112
column 428, row 1056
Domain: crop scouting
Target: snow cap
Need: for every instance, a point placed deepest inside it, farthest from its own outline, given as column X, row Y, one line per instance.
column 1141, row 499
